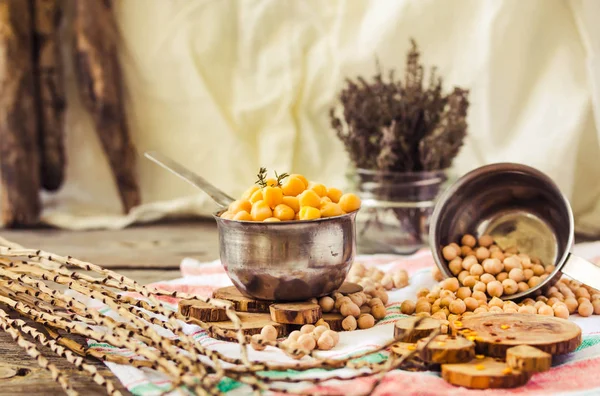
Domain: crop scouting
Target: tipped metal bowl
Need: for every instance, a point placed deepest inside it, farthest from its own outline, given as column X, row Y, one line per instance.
column 288, row 260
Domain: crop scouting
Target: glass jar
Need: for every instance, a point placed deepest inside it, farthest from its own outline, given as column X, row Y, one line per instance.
column 396, row 208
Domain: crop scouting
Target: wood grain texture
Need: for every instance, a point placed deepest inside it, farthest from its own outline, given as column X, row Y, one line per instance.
column 99, row 78
column 48, row 72
column 334, row 320
column 496, row 333
column 202, row 311
column 151, row 246
column 252, row 323
column 298, row 313
column 19, row 155
column 240, row 302
column 528, row 358
column 447, row 349
column 405, row 330
column 483, row 374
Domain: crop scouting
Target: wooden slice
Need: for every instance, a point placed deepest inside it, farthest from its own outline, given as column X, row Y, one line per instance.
column 295, row 313
column 405, row 330
column 240, row 302
column 252, row 323
column 484, row 374
column 495, row 333
column 404, row 348
column 349, row 288
column 202, row 311
column 334, row 320
column 447, row 349
column 528, row 358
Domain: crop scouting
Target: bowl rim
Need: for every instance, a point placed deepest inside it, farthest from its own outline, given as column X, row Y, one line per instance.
column 217, row 217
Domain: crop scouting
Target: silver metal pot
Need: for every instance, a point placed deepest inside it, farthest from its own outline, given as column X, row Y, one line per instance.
column 288, row 260
column 518, row 206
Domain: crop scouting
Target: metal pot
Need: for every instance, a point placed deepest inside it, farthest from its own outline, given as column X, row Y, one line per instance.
column 288, row 260
column 518, row 206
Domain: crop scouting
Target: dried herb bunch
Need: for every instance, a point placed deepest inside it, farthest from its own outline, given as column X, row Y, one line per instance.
column 51, row 292
column 399, row 125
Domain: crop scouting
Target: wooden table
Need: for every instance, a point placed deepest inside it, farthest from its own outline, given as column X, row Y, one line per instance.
column 146, row 253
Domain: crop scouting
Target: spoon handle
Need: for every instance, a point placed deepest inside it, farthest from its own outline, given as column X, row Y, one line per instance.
column 217, row 195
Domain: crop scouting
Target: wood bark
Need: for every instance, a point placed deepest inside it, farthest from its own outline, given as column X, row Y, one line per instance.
column 50, row 89
column 202, row 311
column 100, row 85
column 295, row 313
column 240, row 302
column 19, row 157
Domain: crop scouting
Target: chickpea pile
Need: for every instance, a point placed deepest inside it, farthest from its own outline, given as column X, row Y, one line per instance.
column 308, row 338
column 372, row 278
column 479, row 284
column 360, row 310
column 290, row 197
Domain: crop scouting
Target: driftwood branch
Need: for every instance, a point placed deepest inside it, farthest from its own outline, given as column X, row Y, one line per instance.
column 19, row 155
column 100, row 86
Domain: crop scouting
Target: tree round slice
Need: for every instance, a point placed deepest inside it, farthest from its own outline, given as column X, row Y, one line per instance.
column 528, row 358
column 349, row 288
column 447, row 349
column 295, row 313
column 484, row 374
column 240, row 302
column 202, row 311
column 252, row 323
column 334, row 320
column 496, row 332
column 405, row 330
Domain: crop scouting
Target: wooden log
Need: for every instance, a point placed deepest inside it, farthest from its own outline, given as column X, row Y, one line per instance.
column 252, row 323
column 528, row 358
column 240, row 302
column 295, row 313
column 447, row 349
column 100, row 86
column 50, row 89
column 19, row 154
column 334, row 320
column 405, row 330
column 202, row 311
column 484, row 374
column 495, row 333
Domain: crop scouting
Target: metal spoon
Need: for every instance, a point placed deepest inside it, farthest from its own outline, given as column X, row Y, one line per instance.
column 217, row 195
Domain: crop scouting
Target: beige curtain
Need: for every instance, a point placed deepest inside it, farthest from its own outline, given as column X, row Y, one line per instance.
column 229, row 86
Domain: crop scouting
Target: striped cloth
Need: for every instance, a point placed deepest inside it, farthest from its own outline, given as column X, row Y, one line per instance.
column 573, row 374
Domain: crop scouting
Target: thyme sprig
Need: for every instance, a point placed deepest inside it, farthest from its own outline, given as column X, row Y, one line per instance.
column 264, row 182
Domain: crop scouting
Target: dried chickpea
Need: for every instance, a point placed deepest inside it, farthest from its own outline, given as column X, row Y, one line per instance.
column 437, row 274
column 326, row 342
column 525, row 260
column 527, row 273
column 527, row 309
column 502, row 276
column 496, row 310
column 334, row 336
column 496, row 302
column 341, row 300
column 596, row 305
column 457, row 307
column 350, row 309
column 407, row 307
column 446, row 301
column 294, row 335
column 365, row 309
column 456, row 247
column 480, row 310
column 462, row 276
column 470, row 281
column 269, row 333
column 539, row 304
column 582, row 292
column 510, row 310
column 543, row 276
column 511, row 263
column 538, row 269
column 465, row 251
column 510, row 286
column 582, row 299
column 366, row 321
column 450, row 284
column 378, row 312
column 423, row 306
column 485, row 241
column 455, row 265
column 494, row 248
column 307, row 341
column 480, row 286
column 382, row 295
column 257, row 342
column 471, row 303
column 585, row 309
column 545, row 310
column 528, row 301
column 552, row 300
column 318, row 331
column 516, row 274
column 349, row 323
column 375, row 301
column 468, row 240
column 441, row 315
column 487, row 278
column 482, row 253
column 561, row 311
column 497, row 255
column 449, row 253
column 549, row 268
column 326, row 303
column 307, row 329
column 400, row 279
column 476, row 269
column 349, row 202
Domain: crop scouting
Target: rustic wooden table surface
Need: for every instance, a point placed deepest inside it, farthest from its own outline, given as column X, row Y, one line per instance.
column 145, row 253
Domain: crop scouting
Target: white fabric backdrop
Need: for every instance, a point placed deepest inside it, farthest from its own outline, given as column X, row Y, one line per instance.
column 229, row 86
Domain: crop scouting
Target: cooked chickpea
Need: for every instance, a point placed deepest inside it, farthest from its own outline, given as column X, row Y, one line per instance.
column 482, row 253
column 349, row 202
column 456, row 265
column 463, row 292
column 487, row 278
column 476, row 269
column 407, row 307
column 309, row 213
column 334, row 194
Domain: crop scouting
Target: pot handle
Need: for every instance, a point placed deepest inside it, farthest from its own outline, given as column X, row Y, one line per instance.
column 582, row 270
